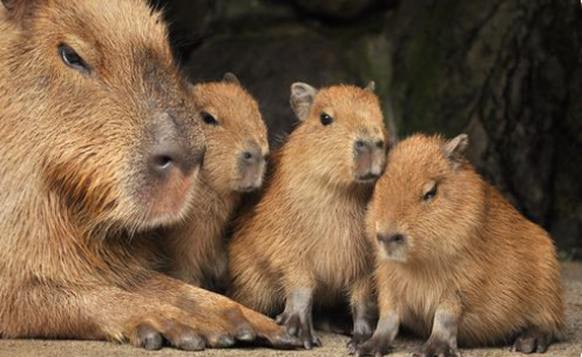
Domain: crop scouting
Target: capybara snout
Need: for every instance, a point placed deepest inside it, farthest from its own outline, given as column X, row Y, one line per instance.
column 251, row 165
column 370, row 156
column 171, row 149
column 122, row 144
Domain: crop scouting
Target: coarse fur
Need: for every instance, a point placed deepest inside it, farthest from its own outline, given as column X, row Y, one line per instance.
column 452, row 250
column 98, row 145
column 304, row 240
column 234, row 128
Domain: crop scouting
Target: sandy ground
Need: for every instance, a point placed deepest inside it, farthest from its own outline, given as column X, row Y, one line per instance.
column 333, row 345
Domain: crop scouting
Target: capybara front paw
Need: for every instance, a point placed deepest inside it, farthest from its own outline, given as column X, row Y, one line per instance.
column 177, row 335
column 301, row 326
column 356, row 340
column 532, row 341
column 437, row 348
column 375, row 346
column 147, row 337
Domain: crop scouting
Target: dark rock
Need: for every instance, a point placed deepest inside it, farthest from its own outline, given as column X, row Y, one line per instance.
column 267, row 65
column 339, row 9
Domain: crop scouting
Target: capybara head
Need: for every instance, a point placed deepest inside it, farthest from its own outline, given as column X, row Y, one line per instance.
column 237, row 146
column 96, row 82
column 344, row 124
column 428, row 203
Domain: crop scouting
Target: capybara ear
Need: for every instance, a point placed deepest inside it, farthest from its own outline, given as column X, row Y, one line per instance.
column 302, row 97
column 371, row 87
column 230, row 78
column 456, row 148
column 18, row 9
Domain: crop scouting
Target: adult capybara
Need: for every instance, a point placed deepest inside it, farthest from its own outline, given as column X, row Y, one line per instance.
column 456, row 261
column 98, row 145
column 234, row 163
column 304, row 242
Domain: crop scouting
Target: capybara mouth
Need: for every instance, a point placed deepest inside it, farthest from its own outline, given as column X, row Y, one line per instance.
column 368, row 178
column 171, row 197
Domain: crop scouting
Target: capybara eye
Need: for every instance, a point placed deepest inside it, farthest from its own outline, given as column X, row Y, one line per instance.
column 208, row 118
column 325, row 119
column 72, row 59
column 430, row 194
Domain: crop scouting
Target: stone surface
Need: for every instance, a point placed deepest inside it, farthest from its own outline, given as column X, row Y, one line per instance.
column 339, row 9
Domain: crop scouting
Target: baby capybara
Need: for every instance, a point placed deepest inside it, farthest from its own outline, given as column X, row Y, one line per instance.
column 456, row 261
column 304, row 242
column 98, row 145
column 234, row 163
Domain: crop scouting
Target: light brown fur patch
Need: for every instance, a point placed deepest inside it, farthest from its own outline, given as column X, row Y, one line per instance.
column 467, row 244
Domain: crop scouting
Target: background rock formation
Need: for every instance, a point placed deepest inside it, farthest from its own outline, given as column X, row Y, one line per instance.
column 507, row 72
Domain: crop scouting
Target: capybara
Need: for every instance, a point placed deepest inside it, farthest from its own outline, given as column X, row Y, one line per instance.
column 234, row 163
column 99, row 145
column 456, row 262
column 304, row 242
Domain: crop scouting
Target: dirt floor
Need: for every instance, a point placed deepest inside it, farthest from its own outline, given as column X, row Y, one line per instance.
column 333, row 345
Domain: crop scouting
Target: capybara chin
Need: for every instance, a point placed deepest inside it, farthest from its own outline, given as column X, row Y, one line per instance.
column 234, row 163
column 98, row 143
column 456, row 261
column 304, row 242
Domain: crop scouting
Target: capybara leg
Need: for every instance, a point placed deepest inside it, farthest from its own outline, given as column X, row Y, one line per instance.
column 380, row 342
column 253, row 289
column 443, row 339
column 532, row 340
column 297, row 316
column 58, row 310
column 364, row 312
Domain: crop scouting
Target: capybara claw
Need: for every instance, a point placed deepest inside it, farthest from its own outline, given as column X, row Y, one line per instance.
column 191, row 343
column 285, row 340
column 221, row 341
column 375, row 347
column 246, row 335
column 437, row 348
column 531, row 342
column 147, row 337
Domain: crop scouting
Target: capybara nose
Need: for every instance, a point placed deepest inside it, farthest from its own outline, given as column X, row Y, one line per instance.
column 251, row 157
column 168, row 157
column 171, row 150
column 391, row 238
column 252, row 165
column 370, row 156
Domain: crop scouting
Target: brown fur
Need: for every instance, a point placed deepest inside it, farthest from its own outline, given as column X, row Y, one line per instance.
column 305, row 239
column 197, row 247
column 467, row 259
column 80, row 188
